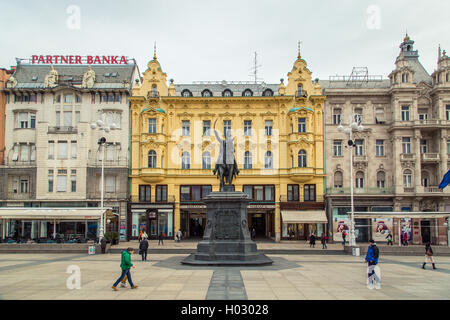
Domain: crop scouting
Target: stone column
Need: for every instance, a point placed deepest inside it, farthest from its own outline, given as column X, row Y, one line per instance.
column 277, row 222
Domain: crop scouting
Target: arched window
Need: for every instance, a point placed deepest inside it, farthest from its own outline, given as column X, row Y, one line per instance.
column 381, row 178
column 407, row 178
column 185, row 160
column 338, row 179
column 154, row 91
column 206, row 93
column 268, row 160
column 227, row 93
column 186, row 93
column 299, row 90
column 247, row 93
column 267, row 93
column 359, row 179
column 206, row 160
column 152, row 159
column 302, row 159
column 247, row 160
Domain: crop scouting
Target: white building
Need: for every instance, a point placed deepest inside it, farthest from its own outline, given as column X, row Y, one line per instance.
column 52, row 156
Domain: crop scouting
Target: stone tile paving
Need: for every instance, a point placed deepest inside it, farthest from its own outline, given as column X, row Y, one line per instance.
column 163, row 277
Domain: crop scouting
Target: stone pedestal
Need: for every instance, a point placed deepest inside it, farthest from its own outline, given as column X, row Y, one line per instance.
column 226, row 240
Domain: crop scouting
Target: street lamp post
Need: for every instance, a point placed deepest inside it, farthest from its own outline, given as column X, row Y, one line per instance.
column 101, row 126
column 353, row 124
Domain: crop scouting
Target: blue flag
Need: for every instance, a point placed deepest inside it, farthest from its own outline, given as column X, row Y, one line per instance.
column 445, row 181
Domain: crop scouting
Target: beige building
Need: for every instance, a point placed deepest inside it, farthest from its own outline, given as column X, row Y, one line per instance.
column 401, row 155
column 52, row 156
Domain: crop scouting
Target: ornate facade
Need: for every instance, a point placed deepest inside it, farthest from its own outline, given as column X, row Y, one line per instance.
column 403, row 153
column 278, row 134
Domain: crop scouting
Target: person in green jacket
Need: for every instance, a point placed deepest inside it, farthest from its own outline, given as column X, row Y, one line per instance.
column 125, row 265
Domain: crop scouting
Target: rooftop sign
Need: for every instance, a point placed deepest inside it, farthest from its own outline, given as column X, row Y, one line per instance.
column 73, row 59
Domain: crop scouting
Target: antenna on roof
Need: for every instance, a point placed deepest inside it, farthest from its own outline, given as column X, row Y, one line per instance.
column 254, row 69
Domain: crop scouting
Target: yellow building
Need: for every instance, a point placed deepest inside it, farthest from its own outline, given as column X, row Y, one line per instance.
column 278, row 132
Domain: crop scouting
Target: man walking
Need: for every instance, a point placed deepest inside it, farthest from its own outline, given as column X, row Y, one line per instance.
column 125, row 265
column 372, row 260
column 323, row 239
column 160, row 239
column 389, row 239
column 143, row 247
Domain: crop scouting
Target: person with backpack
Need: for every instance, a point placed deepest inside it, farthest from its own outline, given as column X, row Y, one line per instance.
column 125, row 265
column 143, row 247
column 372, row 256
column 428, row 255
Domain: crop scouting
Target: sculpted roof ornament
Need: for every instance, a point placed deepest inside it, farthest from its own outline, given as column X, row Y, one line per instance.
column 11, row 82
column 51, row 79
column 88, row 78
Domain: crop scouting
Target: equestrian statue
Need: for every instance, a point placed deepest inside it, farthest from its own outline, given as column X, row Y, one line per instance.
column 226, row 166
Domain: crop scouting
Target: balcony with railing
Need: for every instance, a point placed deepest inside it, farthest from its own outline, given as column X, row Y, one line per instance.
column 21, row 195
column 20, row 163
column 62, row 129
column 136, row 198
column 108, row 163
column 365, row 191
column 432, row 189
column 107, row 195
column 407, row 156
column 430, row 157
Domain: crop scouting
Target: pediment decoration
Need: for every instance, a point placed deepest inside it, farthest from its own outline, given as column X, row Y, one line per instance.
column 268, row 114
column 207, row 114
column 227, row 114
column 247, row 114
column 186, row 115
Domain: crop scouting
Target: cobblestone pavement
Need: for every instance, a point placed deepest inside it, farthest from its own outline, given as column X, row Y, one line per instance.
column 163, row 277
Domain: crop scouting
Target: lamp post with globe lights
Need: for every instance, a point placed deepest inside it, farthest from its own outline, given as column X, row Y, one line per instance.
column 355, row 124
column 100, row 125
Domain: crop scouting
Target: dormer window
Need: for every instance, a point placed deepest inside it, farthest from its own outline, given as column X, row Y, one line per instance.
column 268, row 93
column 227, row 93
column 247, row 93
column 405, row 77
column 186, row 93
column 206, row 93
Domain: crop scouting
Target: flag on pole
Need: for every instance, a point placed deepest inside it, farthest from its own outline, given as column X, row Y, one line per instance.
column 445, row 180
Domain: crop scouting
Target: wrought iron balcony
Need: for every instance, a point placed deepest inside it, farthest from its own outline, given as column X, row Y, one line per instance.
column 62, row 129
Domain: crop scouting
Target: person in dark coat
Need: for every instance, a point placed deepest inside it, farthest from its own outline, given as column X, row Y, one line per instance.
column 312, row 240
column 160, row 239
column 389, row 239
column 372, row 256
column 323, row 240
column 428, row 255
column 253, row 233
column 143, row 247
column 103, row 244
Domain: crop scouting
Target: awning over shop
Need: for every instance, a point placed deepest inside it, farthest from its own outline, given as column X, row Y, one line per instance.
column 311, row 216
column 52, row 213
column 402, row 214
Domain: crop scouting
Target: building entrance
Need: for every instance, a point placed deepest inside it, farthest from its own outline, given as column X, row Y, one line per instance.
column 425, row 231
column 196, row 227
column 258, row 221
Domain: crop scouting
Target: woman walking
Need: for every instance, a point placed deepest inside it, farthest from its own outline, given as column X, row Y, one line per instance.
column 324, row 239
column 125, row 265
column 428, row 255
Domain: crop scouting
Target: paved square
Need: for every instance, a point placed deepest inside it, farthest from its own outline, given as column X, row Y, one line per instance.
column 163, row 277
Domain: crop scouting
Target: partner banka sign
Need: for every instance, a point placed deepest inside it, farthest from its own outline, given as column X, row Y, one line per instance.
column 73, row 59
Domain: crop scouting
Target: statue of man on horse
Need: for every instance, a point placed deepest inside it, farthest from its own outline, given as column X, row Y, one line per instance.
column 226, row 166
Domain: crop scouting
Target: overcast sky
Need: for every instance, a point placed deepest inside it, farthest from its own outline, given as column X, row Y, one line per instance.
column 216, row 40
